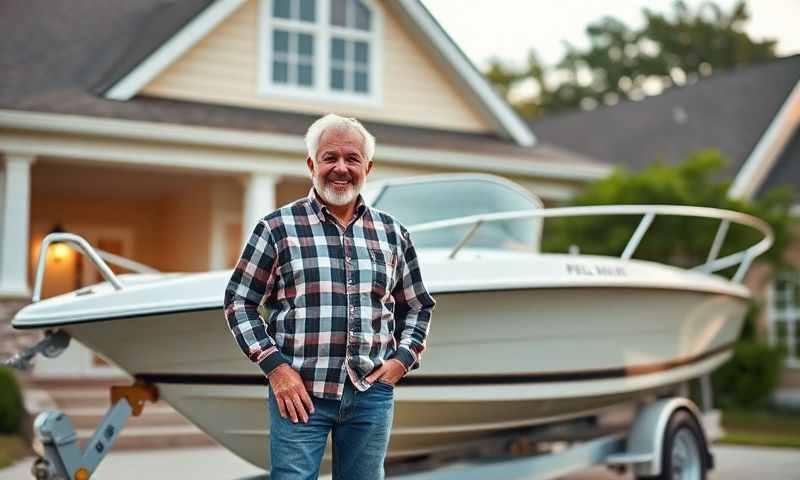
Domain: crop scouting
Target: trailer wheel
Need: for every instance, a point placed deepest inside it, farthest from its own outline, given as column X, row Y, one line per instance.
column 41, row 469
column 683, row 456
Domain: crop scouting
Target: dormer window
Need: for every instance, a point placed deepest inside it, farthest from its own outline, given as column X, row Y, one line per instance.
column 320, row 49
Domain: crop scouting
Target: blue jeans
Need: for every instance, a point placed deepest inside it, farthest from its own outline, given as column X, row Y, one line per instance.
column 360, row 422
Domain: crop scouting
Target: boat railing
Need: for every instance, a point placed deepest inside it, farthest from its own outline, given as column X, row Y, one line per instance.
column 99, row 258
column 742, row 258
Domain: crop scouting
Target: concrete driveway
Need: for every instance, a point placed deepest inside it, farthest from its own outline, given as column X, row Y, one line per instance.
column 733, row 463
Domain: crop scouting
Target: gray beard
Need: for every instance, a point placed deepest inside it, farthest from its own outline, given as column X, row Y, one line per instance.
column 330, row 196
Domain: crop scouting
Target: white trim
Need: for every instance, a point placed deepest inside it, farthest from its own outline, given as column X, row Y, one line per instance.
column 173, row 48
column 244, row 149
column 492, row 104
column 322, row 32
column 15, row 218
column 768, row 149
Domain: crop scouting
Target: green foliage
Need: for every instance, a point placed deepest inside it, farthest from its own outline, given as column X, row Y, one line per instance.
column 677, row 240
column 749, row 377
column 11, row 407
column 621, row 62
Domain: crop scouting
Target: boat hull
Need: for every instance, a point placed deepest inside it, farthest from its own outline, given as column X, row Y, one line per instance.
column 548, row 354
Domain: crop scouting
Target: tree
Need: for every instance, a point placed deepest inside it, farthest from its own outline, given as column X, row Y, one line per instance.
column 681, row 241
column 621, row 62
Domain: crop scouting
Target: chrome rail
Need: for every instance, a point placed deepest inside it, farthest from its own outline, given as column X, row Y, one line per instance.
column 96, row 256
column 712, row 264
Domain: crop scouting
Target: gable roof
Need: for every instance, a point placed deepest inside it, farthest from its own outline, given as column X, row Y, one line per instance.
column 729, row 110
column 81, row 47
column 412, row 13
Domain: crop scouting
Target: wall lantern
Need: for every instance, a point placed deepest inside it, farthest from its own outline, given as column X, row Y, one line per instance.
column 59, row 250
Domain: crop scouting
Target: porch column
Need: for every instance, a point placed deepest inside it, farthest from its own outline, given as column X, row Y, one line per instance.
column 15, row 191
column 259, row 200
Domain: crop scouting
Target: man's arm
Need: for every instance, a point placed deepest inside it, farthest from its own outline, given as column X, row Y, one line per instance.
column 413, row 307
column 251, row 281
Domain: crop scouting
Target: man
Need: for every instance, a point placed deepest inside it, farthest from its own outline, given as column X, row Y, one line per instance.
column 348, row 312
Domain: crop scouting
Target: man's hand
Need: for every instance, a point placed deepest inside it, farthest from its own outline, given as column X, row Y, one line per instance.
column 290, row 393
column 390, row 371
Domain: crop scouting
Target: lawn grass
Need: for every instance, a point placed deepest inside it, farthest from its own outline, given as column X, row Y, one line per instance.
column 761, row 428
column 12, row 448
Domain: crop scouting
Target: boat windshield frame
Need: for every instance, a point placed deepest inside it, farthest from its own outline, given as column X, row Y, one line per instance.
column 743, row 258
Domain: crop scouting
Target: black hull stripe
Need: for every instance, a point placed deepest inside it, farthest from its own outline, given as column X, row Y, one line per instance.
column 457, row 380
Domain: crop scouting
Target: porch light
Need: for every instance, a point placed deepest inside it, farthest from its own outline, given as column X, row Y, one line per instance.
column 60, row 251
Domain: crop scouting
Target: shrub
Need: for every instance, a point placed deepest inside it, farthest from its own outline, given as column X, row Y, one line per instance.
column 749, row 377
column 11, row 406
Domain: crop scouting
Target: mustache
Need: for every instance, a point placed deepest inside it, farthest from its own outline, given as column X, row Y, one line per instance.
column 333, row 177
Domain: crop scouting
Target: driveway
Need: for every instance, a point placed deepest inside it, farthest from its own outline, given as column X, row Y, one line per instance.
column 733, row 463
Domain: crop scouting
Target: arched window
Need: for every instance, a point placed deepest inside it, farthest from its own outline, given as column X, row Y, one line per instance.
column 321, row 49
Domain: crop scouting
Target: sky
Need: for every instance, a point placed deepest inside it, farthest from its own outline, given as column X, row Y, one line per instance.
column 507, row 29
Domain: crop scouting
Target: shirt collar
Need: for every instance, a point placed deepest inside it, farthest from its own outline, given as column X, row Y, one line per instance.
column 321, row 210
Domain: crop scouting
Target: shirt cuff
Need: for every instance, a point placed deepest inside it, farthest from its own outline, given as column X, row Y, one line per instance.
column 271, row 362
column 405, row 356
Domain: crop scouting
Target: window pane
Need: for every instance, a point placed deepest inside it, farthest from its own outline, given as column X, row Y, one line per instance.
column 337, row 49
column 307, row 12
column 304, row 74
column 337, row 79
column 339, row 13
column 361, row 82
column 280, row 72
column 362, row 53
column 281, row 8
column 280, row 41
column 305, row 45
column 363, row 16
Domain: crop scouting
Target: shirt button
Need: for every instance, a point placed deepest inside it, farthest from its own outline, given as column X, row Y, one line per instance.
column 347, row 259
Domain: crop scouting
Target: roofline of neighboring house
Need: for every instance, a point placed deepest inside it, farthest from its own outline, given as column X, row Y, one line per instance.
column 768, row 148
column 501, row 115
column 203, row 136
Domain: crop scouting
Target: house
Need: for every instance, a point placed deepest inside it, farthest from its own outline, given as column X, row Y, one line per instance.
column 161, row 130
column 751, row 114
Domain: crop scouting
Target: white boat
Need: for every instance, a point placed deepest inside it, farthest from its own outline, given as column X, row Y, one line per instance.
column 518, row 337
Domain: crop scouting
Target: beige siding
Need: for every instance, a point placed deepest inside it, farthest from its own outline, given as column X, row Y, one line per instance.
column 222, row 68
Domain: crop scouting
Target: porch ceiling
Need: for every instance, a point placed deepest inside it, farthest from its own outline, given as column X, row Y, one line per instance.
column 67, row 178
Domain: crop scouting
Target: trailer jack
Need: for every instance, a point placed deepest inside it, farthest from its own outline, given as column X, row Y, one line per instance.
column 62, row 458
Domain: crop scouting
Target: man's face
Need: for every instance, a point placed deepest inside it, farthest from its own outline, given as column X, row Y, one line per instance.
column 339, row 171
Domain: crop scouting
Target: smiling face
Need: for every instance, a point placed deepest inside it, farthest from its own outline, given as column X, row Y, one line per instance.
column 339, row 171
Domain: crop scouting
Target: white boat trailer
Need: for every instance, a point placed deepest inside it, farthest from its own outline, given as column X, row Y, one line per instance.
column 667, row 440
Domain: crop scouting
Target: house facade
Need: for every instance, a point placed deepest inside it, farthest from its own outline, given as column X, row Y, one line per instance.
column 162, row 130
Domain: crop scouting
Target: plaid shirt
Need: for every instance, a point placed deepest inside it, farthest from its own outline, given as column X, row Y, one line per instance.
column 340, row 300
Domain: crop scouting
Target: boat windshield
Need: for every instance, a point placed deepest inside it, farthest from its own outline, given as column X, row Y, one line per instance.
column 441, row 199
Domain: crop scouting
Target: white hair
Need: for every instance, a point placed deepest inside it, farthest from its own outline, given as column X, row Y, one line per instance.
column 334, row 121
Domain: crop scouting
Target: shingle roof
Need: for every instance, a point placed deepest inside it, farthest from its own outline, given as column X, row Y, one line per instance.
column 57, row 57
column 729, row 110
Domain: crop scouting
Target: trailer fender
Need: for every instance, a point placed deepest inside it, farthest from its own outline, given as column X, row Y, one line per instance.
column 646, row 436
